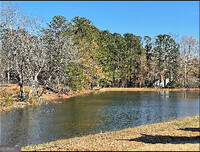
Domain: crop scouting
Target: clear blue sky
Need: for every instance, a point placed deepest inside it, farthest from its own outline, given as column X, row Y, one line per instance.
column 140, row 18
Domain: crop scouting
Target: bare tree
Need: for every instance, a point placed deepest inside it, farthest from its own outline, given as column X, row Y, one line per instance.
column 10, row 20
column 21, row 48
column 190, row 50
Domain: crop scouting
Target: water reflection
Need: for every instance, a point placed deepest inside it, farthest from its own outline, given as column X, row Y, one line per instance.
column 94, row 113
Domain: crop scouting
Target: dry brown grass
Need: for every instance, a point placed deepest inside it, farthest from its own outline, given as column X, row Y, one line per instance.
column 12, row 91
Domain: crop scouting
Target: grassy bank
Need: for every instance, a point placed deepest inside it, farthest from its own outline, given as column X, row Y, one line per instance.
column 9, row 97
column 176, row 135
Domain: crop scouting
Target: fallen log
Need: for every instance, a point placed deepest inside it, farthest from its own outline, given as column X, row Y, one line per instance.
column 55, row 91
column 52, row 90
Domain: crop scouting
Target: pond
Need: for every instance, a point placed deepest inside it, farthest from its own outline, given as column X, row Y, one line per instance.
column 94, row 113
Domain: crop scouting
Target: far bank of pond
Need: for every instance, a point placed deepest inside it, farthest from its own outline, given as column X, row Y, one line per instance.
column 13, row 91
column 151, row 89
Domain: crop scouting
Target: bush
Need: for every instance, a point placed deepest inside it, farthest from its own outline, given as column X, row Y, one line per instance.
column 8, row 101
column 26, row 97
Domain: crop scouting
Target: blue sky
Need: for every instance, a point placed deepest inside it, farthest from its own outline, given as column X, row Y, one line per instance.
column 140, row 18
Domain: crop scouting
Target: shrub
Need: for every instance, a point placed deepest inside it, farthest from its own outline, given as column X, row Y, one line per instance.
column 26, row 97
column 8, row 101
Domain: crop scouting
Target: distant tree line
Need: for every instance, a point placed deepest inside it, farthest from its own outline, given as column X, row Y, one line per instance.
column 77, row 55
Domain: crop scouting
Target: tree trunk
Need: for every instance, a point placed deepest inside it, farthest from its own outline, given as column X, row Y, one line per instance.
column 21, row 85
column 8, row 69
column 164, row 81
column 185, row 77
column 8, row 76
column 34, row 88
column 44, row 86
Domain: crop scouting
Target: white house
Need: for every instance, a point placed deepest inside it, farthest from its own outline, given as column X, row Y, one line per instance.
column 161, row 84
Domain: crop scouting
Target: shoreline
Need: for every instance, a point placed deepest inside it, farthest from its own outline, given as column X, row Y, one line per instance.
column 46, row 99
column 54, row 98
column 179, row 134
column 151, row 89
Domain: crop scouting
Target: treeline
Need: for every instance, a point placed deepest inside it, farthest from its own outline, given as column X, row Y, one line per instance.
column 77, row 55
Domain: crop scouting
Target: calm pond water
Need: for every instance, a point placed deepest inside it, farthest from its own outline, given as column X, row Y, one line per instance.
column 94, row 113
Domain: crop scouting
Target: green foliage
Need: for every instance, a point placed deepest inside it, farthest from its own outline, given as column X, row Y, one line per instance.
column 7, row 102
column 167, row 56
column 26, row 98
